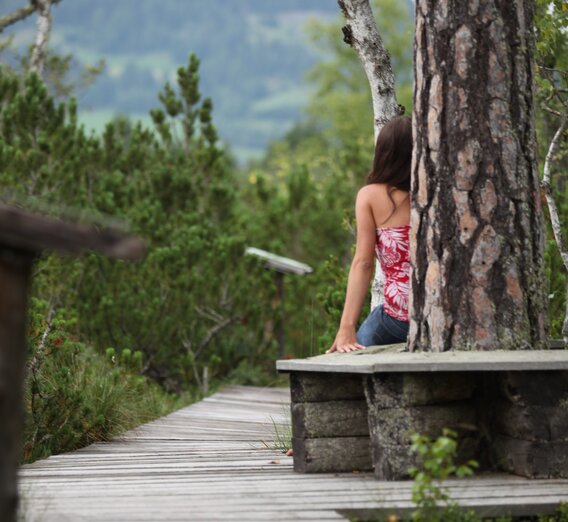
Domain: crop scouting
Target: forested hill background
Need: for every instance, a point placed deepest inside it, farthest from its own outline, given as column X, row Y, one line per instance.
column 254, row 55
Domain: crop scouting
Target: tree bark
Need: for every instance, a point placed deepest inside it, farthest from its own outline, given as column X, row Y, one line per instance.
column 477, row 232
column 361, row 33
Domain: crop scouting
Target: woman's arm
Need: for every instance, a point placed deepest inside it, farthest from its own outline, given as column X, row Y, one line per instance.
column 360, row 274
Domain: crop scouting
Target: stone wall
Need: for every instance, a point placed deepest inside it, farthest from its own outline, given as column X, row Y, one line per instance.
column 514, row 421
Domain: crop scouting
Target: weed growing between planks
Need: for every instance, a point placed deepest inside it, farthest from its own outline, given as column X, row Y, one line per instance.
column 281, row 432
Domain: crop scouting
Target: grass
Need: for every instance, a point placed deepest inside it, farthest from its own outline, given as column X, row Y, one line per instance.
column 79, row 396
column 282, row 436
column 281, row 432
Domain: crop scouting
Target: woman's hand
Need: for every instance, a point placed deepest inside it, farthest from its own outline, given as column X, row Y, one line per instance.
column 345, row 341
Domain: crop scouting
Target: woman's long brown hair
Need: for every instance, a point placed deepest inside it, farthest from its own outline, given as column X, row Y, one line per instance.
column 393, row 154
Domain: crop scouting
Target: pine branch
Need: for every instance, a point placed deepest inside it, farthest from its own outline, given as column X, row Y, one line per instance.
column 16, row 16
column 21, row 14
column 551, row 111
column 213, row 331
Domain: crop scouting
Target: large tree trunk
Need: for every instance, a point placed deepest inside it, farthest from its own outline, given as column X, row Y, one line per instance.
column 476, row 221
column 360, row 32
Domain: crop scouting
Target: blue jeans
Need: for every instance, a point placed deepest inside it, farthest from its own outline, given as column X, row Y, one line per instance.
column 381, row 328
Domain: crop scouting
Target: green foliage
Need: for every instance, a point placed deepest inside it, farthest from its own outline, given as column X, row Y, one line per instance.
column 188, row 305
column 332, row 296
column 74, row 396
column 556, row 275
column 551, row 20
column 437, row 463
column 163, row 314
column 63, row 75
column 561, row 515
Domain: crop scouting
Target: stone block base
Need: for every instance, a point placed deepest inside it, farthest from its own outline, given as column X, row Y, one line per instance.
column 332, row 455
column 402, row 404
column 329, row 423
column 509, row 421
column 514, row 421
column 530, row 423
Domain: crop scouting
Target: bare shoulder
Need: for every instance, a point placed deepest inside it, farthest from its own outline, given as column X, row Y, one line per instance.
column 370, row 194
column 389, row 207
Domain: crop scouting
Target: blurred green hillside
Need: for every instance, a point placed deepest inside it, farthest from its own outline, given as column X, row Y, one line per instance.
column 254, row 55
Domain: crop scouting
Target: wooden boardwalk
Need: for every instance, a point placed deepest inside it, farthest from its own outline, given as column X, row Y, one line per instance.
column 209, row 462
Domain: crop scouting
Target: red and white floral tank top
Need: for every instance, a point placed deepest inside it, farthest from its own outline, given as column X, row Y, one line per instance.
column 393, row 252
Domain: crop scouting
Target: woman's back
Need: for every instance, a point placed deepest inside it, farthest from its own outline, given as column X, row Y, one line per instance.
column 393, row 211
column 390, row 209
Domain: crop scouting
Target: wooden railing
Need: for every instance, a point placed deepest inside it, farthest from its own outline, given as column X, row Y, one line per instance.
column 23, row 237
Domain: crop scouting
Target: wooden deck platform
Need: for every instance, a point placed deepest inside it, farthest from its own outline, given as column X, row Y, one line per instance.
column 209, row 462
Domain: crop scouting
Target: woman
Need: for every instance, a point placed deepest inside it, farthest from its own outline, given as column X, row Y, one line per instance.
column 382, row 211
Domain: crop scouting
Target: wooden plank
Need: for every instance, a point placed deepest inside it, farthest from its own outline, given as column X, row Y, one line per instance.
column 283, row 506
column 292, row 482
column 310, row 493
column 363, row 362
column 34, row 232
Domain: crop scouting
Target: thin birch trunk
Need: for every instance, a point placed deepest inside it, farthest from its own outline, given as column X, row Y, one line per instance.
column 360, row 32
column 42, row 36
column 553, row 209
column 38, row 357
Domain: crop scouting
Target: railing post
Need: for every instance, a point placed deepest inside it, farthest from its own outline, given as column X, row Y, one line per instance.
column 15, row 275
